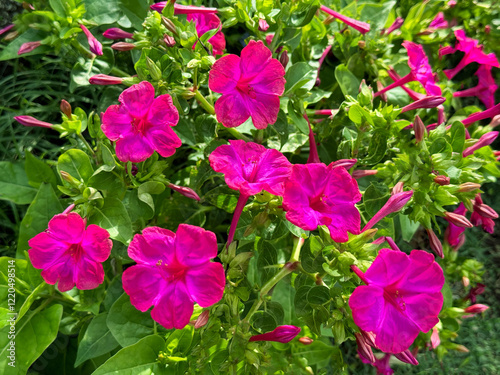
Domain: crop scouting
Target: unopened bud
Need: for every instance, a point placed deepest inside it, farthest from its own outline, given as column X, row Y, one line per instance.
column 284, row 59
column 281, row 334
column 66, row 108
column 363, row 173
column 458, row 220
column 94, row 45
column 117, row 33
column 395, row 203
column 398, row 188
column 103, row 79
column 345, row 163
column 123, row 46
column 263, row 25
column 28, row 47
column 169, row 40
column 427, row 102
column 187, row 192
column 435, row 244
column 27, row 6
column 380, row 87
column 364, row 349
column 465, row 281
column 435, row 340
column 406, row 357
column 460, row 348
column 6, row 29
column 202, row 319
column 468, row 187
column 306, row 340
column 398, row 22
column 485, row 140
column 495, row 121
column 419, row 129
column 11, row 36
column 487, row 29
column 369, row 338
column 442, row 180
column 153, row 69
column 69, row 178
column 485, row 211
column 32, row 122
column 361, row 44
column 169, row 25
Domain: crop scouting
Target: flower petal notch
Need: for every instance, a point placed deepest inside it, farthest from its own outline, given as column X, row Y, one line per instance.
column 141, row 124
column 69, row 254
column 319, row 195
column 173, row 272
column 250, row 86
column 402, row 298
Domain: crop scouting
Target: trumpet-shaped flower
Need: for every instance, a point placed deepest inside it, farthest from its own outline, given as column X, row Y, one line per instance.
column 319, row 195
column 69, row 254
column 402, row 297
column 173, row 271
column 250, row 86
column 485, row 89
column 141, row 124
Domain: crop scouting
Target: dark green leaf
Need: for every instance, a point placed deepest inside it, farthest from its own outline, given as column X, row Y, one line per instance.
column 14, row 184
column 113, row 217
column 348, row 82
column 38, row 171
column 76, row 163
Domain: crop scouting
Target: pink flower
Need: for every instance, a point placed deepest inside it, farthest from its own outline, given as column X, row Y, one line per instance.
column 209, row 21
column 402, row 297
column 473, row 53
column 395, row 203
column 94, row 45
column 28, row 47
column 250, row 86
column 411, row 93
column 319, row 195
column 439, row 22
column 485, row 89
column 71, row 254
column 117, row 33
column 263, row 25
column 250, row 168
column 362, row 27
column 173, row 271
column 483, row 215
column 420, row 71
column 103, row 79
column 141, row 124
column 454, row 234
column 281, row 334
column 381, row 365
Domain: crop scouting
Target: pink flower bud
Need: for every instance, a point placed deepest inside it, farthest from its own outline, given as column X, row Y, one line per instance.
column 202, row 319
column 324, row 112
column 485, row 211
column 452, row 3
column 419, row 129
column 359, row 273
column 32, row 122
column 395, row 203
column 465, row 281
column 364, row 349
column 103, row 79
column 487, row 29
column 169, row 40
column 435, row 340
column 269, row 39
column 442, row 180
column 488, row 113
column 363, row 173
column 345, row 163
column 66, row 108
column 123, row 46
column 406, row 357
column 281, row 334
column 435, row 244
column 398, row 188
column 369, row 338
column 117, row 33
column 187, row 192
column 94, row 45
column 380, row 87
column 263, row 25
column 362, row 27
column 495, row 121
column 28, row 47
column 6, row 28
column 427, row 102
column 468, row 187
column 69, row 208
column 306, row 340
column 458, row 220
column 398, row 22
column 284, row 59
column 485, row 140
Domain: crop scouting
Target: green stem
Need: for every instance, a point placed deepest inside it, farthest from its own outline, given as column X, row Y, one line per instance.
column 82, row 138
column 203, row 102
column 117, row 72
column 84, row 51
column 236, row 134
column 287, row 269
column 155, row 329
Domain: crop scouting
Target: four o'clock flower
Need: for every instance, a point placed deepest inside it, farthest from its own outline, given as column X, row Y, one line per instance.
column 395, row 203
column 485, row 140
column 411, row 93
column 94, row 45
column 117, row 33
column 426, row 102
column 362, row 27
column 28, row 47
column 488, row 113
column 483, row 215
column 402, row 297
column 183, row 9
column 69, row 254
column 473, row 53
column 420, row 71
column 281, row 334
column 319, row 195
column 173, row 271
column 485, row 89
column 454, row 234
column 249, row 168
column 250, row 86
column 141, row 124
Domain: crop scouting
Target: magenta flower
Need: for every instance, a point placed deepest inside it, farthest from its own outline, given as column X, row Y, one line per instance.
column 28, row 47
column 381, row 365
column 94, row 45
column 488, row 113
column 362, row 27
column 426, row 102
column 439, row 22
column 117, row 33
column 454, row 234
column 173, row 271
column 319, row 195
column 209, row 21
column 420, row 71
column 473, row 53
column 281, row 334
column 69, row 254
column 485, row 89
column 411, row 93
column 402, row 297
column 183, row 9
column 250, row 168
column 141, row 124
column 483, row 215
column 250, row 86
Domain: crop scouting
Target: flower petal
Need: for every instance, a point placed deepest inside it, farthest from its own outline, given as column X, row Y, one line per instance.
column 341, row 187
column 231, row 110
column 152, row 245
column 263, row 109
column 96, row 243
column 62, row 273
column 271, row 80
column 174, row 308
column 116, row 122
column 388, row 268
column 143, row 284
column 45, row 250
column 67, row 227
column 224, row 74
column 163, row 112
column 254, row 58
column 194, row 245
column 206, row 284
column 367, row 305
column 343, row 218
column 137, row 99
column 89, row 274
column 164, row 141
column 423, row 276
column 134, row 148
column 423, row 309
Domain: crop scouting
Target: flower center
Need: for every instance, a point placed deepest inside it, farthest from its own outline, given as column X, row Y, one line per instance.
column 173, row 271
column 244, row 87
column 140, row 125
column 395, row 298
column 319, row 203
column 75, row 251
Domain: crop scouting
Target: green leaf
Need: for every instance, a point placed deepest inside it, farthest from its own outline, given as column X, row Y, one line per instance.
column 300, row 76
column 284, row 294
column 102, row 12
column 86, row 68
column 447, row 296
column 58, row 8
column 267, row 260
column 96, row 341
column 457, row 134
column 127, row 324
column 376, row 14
column 113, row 217
column 348, row 82
column 146, row 189
column 262, row 321
column 76, row 163
column 135, row 11
column 42, row 209
column 408, row 227
column 14, row 183
column 140, row 358
column 318, row 295
column 303, row 12
column 376, row 195
column 180, row 341
column 34, row 333
column 315, row 353
column 38, row 171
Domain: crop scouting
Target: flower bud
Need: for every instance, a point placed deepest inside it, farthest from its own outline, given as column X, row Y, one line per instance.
column 363, row 348
column 123, row 46
column 306, row 340
column 485, row 140
column 398, row 22
column 406, row 357
column 69, row 178
column 435, row 244
column 419, row 129
column 345, row 163
column 117, row 33
column 369, row 338
column 427, row 102
column 361, row 44
column 69, row 208
column 281, row 334
column 458, row 220
column 66, row 108
column 284, row 59
column 362, row 27
column 94, row 45
column 442, row 180
column 27, row 6
column 495, row 121
column 263, row 25
column 398, row 188
column 395, row 203
column 169, row 25
column 187, row 192
column 363, row 173
column 169, row 40
column 487, row 29
column 485, row 211
column 103, row 79
column 30, row 121
column 28, row 47
column 154, row 70
column 435, row 340
column 202, row 319
column 468, row 187
column 6, row 28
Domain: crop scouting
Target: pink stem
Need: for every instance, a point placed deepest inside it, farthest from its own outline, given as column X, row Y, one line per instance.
column 242, row 201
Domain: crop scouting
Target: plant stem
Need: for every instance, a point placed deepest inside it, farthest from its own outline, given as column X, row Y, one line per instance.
column 236, row 134
column 82, row 138
column 287, row 269
column 118, row 72
column 203, row 102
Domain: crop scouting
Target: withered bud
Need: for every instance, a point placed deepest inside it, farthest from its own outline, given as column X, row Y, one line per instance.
column 398, row 188
column 406, row 357
column 442, row 180
column 284, row 59
column 361, row 44
column 485, row 211
column 364, row 349
column 123, row 46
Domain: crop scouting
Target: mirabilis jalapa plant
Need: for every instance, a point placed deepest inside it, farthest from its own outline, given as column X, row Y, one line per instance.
column 267, row 252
